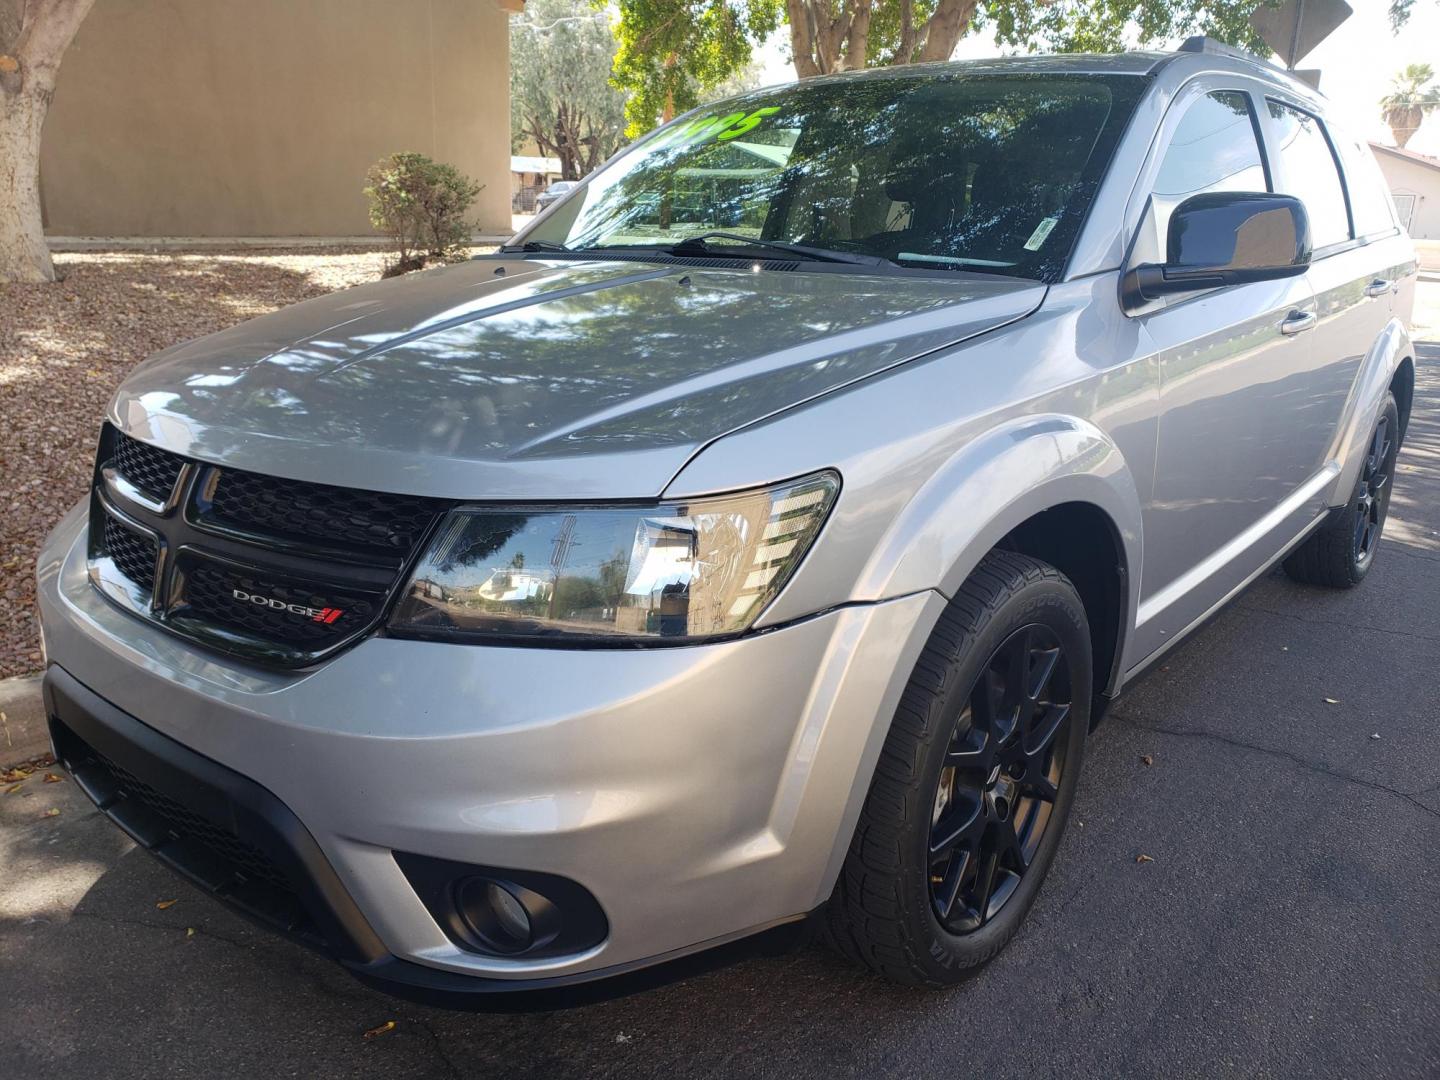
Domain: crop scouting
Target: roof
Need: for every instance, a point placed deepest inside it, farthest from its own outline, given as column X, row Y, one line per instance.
column 1126, row 63
column 523, row 163
column 1408, row 155
column 1136, row 63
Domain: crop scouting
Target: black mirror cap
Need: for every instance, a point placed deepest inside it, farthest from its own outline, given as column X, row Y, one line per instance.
column 1223, row 238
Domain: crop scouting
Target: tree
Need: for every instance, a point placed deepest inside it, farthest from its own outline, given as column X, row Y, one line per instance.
column 1410, row 98
column 826, row 35
column 34, row 35
column 674, row 51
column 561, row 52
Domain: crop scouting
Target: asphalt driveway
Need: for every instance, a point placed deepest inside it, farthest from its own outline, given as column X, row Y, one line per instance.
column 1287, row 926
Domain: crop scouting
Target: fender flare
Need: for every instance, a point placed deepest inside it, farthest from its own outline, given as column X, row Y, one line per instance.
column 1372, row 383
column 992, row 485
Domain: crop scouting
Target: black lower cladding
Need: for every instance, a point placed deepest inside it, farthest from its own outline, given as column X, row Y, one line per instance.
column 237, row 840
column 221, row 830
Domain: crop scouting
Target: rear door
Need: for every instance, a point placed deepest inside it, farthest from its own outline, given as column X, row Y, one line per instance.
column 1352, row 283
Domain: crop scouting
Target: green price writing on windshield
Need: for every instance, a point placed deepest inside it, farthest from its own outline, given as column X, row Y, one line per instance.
column 719, row 128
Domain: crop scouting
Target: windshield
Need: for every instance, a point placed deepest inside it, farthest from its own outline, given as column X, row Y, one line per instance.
column 975, row 173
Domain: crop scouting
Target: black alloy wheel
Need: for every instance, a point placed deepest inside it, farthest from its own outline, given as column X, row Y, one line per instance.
column 1002, row 773
column 977, row 778
column 1374, row 497
column 1343, row 549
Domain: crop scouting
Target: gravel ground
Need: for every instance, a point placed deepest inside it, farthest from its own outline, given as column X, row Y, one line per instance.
column 65, row 347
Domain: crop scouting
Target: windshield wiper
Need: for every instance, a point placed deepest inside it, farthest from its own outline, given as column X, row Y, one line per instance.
column 697, row 245
column 534, row 245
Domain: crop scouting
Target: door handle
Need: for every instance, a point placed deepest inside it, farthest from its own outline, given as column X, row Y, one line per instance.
column 1379, row 287
column 1297, row 321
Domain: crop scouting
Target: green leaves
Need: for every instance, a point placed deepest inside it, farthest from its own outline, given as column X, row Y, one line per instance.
column 561, row 97
column 421, row 205
column 673, row 51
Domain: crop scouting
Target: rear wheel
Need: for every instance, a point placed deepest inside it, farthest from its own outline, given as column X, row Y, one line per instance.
column 975, row 782
column 1342, row 551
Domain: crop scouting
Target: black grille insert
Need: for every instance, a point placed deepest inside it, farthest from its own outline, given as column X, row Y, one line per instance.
column 317, row 513
column 152, row 470
column 267, row 610
column 132, row 553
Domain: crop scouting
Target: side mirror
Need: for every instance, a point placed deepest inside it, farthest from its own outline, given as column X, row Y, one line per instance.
column 1227, row 238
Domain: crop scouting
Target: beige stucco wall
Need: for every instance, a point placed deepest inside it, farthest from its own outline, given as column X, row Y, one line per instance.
column 1406, row 177
column 260, row 117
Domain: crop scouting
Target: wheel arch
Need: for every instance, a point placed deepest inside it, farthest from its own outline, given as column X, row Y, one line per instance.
column 1403, row 387
column 1053, row 486
column 1388, row 367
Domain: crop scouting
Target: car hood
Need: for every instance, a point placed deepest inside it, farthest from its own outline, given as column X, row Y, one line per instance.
column 521, row 378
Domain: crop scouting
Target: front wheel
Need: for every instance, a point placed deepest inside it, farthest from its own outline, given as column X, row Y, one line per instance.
column 976, row 780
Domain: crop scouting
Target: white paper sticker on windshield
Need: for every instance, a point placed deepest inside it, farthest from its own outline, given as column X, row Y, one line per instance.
column 1038, row 236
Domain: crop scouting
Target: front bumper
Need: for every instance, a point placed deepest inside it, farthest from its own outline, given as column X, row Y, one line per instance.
column 700, row 794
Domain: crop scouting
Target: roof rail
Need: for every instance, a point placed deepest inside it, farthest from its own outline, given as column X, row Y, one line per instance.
column 1202, row 44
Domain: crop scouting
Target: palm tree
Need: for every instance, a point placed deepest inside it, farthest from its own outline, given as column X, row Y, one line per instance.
column 1410, row 99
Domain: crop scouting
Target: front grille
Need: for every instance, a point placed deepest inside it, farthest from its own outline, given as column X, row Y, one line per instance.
column 132, row 553
column 334, row 516
column 210, row 597
column 152, row 470
column 280, row 571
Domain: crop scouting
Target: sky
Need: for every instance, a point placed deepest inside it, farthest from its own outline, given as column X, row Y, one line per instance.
column 1356, row 65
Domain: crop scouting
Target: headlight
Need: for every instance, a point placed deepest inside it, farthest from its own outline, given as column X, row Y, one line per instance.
column 679, row 570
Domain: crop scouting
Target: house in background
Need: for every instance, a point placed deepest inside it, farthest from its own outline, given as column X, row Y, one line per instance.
column 530, row 174
column 1414, row 182
column 255, row 118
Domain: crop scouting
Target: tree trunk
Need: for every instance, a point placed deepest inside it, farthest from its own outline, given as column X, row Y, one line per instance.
column 24, row 255
column 947, row 26
column 802, row 38
column 28, row 67
column 1404, row 121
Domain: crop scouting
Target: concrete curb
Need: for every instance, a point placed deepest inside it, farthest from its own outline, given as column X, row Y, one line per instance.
column 23, row 731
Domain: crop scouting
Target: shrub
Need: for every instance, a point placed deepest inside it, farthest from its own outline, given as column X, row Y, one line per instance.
column 420, row 204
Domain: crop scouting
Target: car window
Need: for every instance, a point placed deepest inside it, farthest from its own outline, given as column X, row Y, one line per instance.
column 1309, row 172
column 1369, row 193
column 1214, row 148
column 974, row 173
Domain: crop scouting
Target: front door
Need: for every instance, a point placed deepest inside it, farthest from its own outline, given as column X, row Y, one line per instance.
column 1237, row 367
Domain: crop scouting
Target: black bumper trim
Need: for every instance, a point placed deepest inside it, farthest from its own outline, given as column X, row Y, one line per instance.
column 87, row 730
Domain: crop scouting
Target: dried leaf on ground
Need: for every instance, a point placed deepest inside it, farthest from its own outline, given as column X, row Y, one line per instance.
column 53, row 778
column 1147, row 759
column 52, row 812
column 1143, row 858
column 384, row 1029
column 163, row 904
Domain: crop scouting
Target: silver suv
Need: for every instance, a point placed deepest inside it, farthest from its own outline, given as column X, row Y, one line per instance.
column 751, row 544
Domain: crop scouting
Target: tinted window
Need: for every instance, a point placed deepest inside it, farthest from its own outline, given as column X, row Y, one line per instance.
column 1308, row 172
column 1214, row 148
column 1369, row 194
column 969, row 173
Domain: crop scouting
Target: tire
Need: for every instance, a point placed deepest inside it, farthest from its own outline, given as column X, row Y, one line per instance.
column 1340, row 553
column 949, row 759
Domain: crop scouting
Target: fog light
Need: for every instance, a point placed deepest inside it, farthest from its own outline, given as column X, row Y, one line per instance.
column 509, row 912
column 496, row 913
column 500, row 912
